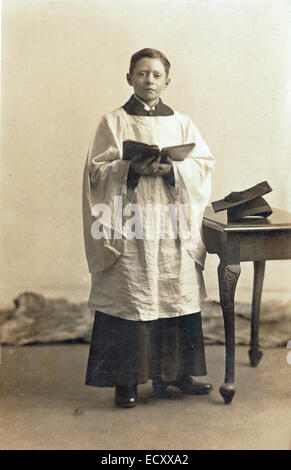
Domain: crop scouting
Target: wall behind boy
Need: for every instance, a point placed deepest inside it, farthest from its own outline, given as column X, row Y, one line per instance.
column 64, row 65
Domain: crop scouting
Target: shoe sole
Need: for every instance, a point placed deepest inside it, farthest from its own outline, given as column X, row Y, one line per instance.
column 196, row 393
column 125, row 406
column 191, row 392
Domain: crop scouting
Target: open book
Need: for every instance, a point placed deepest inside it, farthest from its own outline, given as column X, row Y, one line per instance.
column 131, row 148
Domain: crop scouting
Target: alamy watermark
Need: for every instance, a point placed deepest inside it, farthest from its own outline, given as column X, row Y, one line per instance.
column 150, row 221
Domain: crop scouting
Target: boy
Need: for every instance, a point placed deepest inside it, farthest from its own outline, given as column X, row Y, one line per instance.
column 146, row 290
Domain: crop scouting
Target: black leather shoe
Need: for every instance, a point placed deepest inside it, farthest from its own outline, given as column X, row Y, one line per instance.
column 125, row 396
column 190, row 387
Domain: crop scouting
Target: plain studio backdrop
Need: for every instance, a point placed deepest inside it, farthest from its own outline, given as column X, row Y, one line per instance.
column 64, row 65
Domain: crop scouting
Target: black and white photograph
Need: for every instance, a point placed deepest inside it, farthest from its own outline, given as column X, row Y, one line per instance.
column 145, row 227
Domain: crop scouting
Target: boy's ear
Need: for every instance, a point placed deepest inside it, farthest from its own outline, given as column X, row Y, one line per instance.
column 128, row 78
column 168, row 80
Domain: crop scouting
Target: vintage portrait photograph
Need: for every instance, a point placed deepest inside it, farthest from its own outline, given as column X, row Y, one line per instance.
column 145, row 306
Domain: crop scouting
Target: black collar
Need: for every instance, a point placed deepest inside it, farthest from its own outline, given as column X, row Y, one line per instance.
column 136, row 108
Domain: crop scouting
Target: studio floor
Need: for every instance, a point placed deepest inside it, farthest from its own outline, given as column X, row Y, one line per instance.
column 45, row 405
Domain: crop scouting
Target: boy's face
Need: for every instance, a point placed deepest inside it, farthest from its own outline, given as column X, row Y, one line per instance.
column 148, row 79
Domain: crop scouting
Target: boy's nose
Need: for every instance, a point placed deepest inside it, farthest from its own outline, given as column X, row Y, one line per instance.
column 149, row 79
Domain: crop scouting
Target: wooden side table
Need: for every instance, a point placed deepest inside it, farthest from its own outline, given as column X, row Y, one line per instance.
column 252, row 239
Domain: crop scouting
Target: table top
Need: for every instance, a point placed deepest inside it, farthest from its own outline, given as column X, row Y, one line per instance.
column 279, row 220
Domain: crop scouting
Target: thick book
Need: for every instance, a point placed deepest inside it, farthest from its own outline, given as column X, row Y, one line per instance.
column 247, row 203
column 131, row 148
column 236, row 198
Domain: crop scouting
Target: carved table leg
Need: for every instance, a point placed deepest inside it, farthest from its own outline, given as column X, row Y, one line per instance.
column 254, row 353
column 228, row 276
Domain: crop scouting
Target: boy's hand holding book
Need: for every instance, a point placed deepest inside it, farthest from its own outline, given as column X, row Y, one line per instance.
column 142, row 166
column 165, row 166
column 150, row 160
column 151, row 166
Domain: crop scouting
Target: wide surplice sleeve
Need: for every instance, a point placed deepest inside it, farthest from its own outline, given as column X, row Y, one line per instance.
column 104, row 185
column 193, row 178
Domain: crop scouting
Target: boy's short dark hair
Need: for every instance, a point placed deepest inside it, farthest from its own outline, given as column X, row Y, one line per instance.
column 153, row 54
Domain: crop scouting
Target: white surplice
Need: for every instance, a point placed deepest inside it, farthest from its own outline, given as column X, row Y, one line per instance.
column 143, row 278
